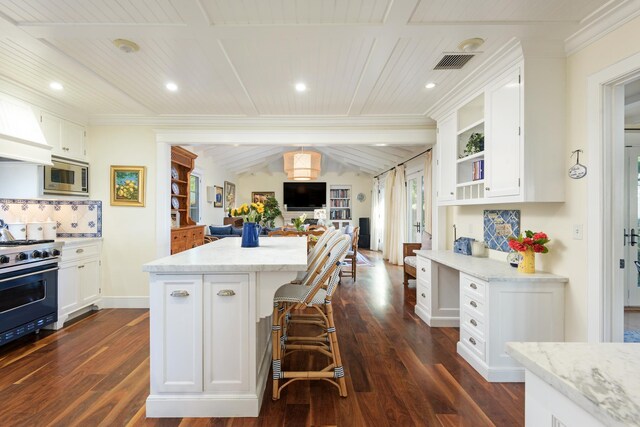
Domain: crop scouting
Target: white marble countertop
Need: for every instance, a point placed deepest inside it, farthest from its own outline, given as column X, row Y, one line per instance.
column 487, row 269
column 75, row 241
column 273, row 254
column 603, row 379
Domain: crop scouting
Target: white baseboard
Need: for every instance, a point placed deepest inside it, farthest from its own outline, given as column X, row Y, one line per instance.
column 124, row 302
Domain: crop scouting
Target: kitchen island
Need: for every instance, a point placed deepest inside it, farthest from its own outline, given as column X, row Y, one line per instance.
column 580, row 384
column 210, row 311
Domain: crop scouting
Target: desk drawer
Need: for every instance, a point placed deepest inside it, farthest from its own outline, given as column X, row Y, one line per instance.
column 473, row 342
column 423, row 269
column 473, row 286
column 423, row 295
column 469, row 302
column 473, row 322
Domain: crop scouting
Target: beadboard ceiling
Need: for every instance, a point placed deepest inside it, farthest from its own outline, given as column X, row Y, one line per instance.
column 233, row 58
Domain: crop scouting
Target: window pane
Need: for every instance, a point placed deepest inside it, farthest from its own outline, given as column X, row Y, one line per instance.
column 194, row 197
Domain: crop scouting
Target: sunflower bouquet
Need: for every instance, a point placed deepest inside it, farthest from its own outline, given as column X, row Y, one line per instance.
column 249, row 212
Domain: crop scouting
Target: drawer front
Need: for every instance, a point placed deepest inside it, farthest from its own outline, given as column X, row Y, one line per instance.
column 423, row 295
column 473, row 286
column 473, row 322
column 472, row 304
column 78, row 252
column 423, row 269
column 473, row 342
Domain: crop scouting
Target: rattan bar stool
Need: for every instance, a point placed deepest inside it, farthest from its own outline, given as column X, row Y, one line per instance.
column 321, row 248
column 316, row 296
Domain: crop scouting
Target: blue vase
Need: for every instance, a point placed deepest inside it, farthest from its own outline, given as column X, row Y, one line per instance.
column 250, row 233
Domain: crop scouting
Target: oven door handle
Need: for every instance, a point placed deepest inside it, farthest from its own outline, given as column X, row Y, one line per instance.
column 30, row 274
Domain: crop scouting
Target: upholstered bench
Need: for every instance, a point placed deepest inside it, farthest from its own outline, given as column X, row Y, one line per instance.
column 410, row 258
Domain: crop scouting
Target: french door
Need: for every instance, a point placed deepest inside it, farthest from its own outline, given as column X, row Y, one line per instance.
column 632, row 226
column 415, row 207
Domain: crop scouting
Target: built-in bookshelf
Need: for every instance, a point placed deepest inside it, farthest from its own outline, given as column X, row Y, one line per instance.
column 470, row 165
column 340, row 205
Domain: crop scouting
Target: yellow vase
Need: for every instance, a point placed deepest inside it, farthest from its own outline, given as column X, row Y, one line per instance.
column 528, row 263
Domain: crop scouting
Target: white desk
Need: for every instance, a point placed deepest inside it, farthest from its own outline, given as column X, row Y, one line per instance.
column 210, row 311
column 493, row 304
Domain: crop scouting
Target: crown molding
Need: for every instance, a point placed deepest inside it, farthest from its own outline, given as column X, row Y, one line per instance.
column 608, row 18
column 243, row 122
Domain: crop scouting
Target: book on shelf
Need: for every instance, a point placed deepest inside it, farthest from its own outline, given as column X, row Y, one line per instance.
column 477, row 170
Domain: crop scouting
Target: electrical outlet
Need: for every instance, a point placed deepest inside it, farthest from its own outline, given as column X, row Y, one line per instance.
column 577, row 232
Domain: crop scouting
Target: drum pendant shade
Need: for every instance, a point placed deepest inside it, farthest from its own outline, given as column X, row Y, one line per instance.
column 302, row 165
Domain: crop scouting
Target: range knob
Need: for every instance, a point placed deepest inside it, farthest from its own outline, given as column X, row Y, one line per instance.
column 55, row 252
column 4, row 259
column 22, row 256
column 36, row 254
column 45, row 254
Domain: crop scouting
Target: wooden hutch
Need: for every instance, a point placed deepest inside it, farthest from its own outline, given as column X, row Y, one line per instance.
column 187, row 234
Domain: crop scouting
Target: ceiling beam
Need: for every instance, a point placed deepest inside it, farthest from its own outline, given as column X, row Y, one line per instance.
column 253, row 159
column 360, row 160
column 265, row 160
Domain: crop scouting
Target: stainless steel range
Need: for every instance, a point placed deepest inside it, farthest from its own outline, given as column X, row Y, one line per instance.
column 28, row 286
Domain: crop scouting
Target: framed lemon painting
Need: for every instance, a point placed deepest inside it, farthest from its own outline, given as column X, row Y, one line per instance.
column 127, row 185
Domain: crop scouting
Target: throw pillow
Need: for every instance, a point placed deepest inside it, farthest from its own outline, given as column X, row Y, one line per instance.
column 220, row 230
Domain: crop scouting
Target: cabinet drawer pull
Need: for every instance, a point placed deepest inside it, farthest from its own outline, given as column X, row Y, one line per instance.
column 472, row 341
column 451, row 193
column 180, row 293
column 487, row 189
column 473, row 322
column 423, row 295
column 226, row 293
column 81, row 266
column 423, row 270
column 79, row 251
column 473, row 285
column 473, row 304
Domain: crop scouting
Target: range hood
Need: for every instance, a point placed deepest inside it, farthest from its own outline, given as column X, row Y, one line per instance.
column 21, row 138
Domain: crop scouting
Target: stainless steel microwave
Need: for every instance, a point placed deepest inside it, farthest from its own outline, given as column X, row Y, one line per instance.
column 68, row 177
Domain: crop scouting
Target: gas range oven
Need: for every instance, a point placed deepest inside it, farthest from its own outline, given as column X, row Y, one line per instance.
column 28, row 286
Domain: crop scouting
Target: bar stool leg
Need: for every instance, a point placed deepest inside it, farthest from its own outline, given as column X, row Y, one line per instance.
column 276, row 362
column 335, row 351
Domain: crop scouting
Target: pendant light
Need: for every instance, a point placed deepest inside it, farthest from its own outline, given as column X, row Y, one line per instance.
column 302, row 165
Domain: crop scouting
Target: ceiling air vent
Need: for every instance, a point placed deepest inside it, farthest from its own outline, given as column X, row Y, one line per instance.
column 454, row 61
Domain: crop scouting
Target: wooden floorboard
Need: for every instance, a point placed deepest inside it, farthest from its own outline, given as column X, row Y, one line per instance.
column 399, row 371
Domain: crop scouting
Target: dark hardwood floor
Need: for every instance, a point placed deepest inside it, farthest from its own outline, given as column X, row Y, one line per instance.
column 399, row 371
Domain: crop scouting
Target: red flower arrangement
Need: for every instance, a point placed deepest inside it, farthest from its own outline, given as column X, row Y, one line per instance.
column 530, row 240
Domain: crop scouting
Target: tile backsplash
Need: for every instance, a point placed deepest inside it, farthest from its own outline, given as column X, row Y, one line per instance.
column 74, row 218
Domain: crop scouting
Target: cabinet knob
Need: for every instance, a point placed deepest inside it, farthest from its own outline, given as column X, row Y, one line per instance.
column 423, row 270
column 79, row 251
column 181, row 293
column 451, row 193
column 474, row 304
column 473, row 286
column 423, row 295
column 487, row 189
column 473, row 322
column 226, row 293
column 472, row 341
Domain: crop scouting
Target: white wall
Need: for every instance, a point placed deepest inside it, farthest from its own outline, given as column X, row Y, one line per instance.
column 567, row 257
column 212, row 175
column 128, row 232
column 360, row 183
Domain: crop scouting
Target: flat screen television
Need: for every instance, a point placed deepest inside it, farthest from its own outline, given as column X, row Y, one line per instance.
column 305, row 196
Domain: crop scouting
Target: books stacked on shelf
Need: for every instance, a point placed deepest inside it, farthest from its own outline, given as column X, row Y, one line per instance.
column 340, row 203
column 340, row 194
column 341, row 214
column 478, row 170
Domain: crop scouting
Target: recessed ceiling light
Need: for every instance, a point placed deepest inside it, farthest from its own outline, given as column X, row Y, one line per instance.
column 127, row 46
column 301, row 87
column 469, row 45
column 56, row 86
column 171, row 86
column 430, row 85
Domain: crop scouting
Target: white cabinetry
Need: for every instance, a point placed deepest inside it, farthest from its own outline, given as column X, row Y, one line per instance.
column 66, row 138
column 446, row 159
column 494, row 313
column 436, row 298
column 523, row 117
column 226, row 333
column 78, row 279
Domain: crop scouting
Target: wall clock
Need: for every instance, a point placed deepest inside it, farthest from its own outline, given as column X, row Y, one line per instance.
column 361, row 197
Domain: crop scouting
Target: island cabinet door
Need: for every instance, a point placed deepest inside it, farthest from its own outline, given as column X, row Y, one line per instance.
column 176, row 333
column 227, row 348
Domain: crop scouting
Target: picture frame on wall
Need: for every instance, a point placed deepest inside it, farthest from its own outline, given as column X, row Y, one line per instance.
column 218, row 197
column 128, row 186
column 229, row 195
column 261, row 196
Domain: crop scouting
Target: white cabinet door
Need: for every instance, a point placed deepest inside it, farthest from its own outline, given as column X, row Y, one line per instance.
column 89, row 278
column 176, row 333
column 72, row 140
column 50, row 126
column 447, row 158
column 226, row 333
column 502, row 177
column 68, row 293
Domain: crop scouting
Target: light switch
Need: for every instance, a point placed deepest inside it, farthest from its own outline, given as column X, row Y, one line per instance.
column 577, row 232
